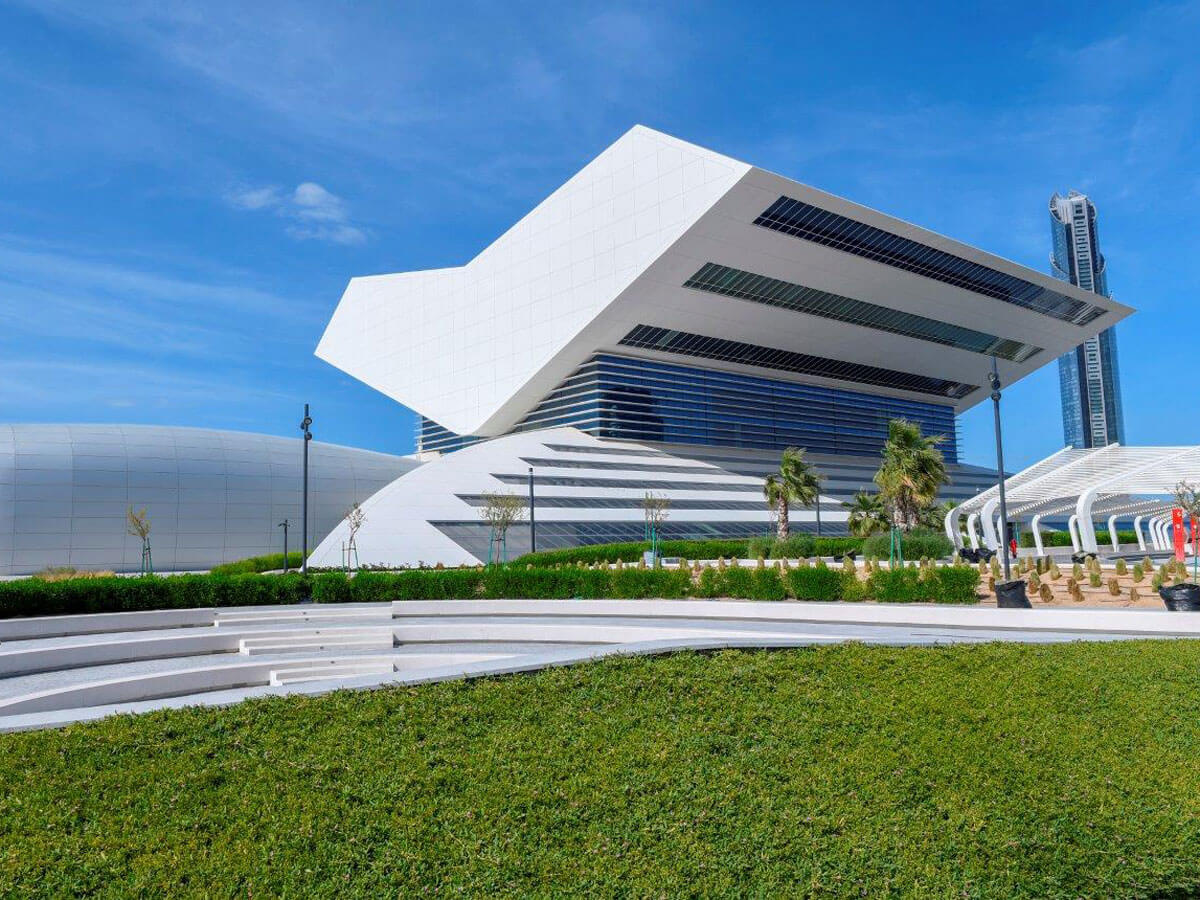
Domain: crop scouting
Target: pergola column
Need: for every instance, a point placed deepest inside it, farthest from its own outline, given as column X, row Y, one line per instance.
column 1137, row 529
column 1037, row 534
column 1083, row 521
column 1156, row 533
column 1112, row 533
column 952, row 531
column 1073, row 531
column 988, row 515
column 972, row 530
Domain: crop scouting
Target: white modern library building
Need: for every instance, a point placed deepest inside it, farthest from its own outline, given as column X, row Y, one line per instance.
column 669, row 320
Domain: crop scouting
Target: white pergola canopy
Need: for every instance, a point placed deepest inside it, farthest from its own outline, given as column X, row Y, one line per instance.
column 1112, row 482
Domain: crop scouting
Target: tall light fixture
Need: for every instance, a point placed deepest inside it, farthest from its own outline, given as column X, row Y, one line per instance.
column 995, row 380
column 284, row 526
column 532, row 523
column 304, row 425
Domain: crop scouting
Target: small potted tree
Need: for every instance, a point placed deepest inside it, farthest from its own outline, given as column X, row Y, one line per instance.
column 500, row 511
column 1185, row 596
column 355, row 519
column 655, row 509
column 138, row 525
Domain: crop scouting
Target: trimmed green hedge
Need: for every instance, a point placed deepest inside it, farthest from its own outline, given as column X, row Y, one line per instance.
column 917, row 544
column 33, row 597
column 255, row 564
column 796, row 546
column 1063, row 538
column 948, row 584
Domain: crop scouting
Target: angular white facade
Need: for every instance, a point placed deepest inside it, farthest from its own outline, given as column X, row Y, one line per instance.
column 681, row 313
column 211, row 496
column 475, row 348
column 464, row 345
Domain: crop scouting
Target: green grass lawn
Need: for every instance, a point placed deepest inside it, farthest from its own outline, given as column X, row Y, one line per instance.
column 971, row 771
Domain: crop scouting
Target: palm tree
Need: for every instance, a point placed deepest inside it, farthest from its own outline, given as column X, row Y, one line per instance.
column 934, row 517
column 868, row 515
column 911, row 473
column 795, row 482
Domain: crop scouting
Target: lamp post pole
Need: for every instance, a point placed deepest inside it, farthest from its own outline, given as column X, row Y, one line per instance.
column 284, row 526
column 532, row 522
column 304, row 425
column 994, row 377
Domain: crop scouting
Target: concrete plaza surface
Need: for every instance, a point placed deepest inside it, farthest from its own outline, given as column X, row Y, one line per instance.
column 61, row 669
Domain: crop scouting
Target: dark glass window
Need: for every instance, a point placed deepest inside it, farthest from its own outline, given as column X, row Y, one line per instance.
column 729, row 282
column 811, row 223
column 628, row 399
column 667, row 340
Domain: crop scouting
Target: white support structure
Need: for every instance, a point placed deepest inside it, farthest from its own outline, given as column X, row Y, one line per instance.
column 1112, row 533
column 1156, row 533
column 988, row 515
column 972, row 531
column 1037, row 535
column 1086, row 486
column 950, row 523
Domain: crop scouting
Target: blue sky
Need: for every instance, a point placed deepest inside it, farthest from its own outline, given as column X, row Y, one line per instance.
column 186, row 188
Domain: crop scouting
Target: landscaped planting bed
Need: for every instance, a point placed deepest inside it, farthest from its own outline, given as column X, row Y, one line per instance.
column 253, row 564
column 33, row 597
column 796, row 546
column 967, row 771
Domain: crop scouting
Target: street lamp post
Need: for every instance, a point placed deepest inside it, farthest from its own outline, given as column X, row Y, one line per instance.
column 284, row 526
column 994, row 377
column 304, row 425
column 532, row 523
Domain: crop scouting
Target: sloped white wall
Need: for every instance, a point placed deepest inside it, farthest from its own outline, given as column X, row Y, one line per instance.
column 456, row 344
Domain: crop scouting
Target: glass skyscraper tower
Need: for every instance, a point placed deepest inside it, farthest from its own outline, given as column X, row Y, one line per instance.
column 1089, row 379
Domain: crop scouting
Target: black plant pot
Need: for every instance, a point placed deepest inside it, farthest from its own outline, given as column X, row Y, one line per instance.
column 1011, row 595
column 1181, row 597
column 1081, row 557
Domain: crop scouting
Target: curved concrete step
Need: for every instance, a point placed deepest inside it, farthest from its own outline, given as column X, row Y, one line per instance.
column 156, row 685
column 314, row 644
column 35, row 627
column 329, row 670
column 28, row 660
column 550, row 630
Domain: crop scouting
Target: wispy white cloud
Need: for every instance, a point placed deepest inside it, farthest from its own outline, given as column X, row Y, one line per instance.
column 254, row 198
column 311, row 211
column 65, row 302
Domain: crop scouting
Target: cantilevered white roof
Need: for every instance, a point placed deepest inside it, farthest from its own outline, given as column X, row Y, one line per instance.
column 664, row 250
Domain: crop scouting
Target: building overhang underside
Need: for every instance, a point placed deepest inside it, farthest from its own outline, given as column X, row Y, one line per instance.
column 1109, row 484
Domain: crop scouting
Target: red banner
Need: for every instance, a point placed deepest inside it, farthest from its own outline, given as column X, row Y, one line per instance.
column 1177, row 531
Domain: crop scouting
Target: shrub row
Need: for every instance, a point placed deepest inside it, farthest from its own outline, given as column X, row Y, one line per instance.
column 254, row 564
column 954, row 584
column 1063, row 538
column 35, row 597
column 944, row 584
column 32, row 597
column 919, row 543
column 796, row 546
